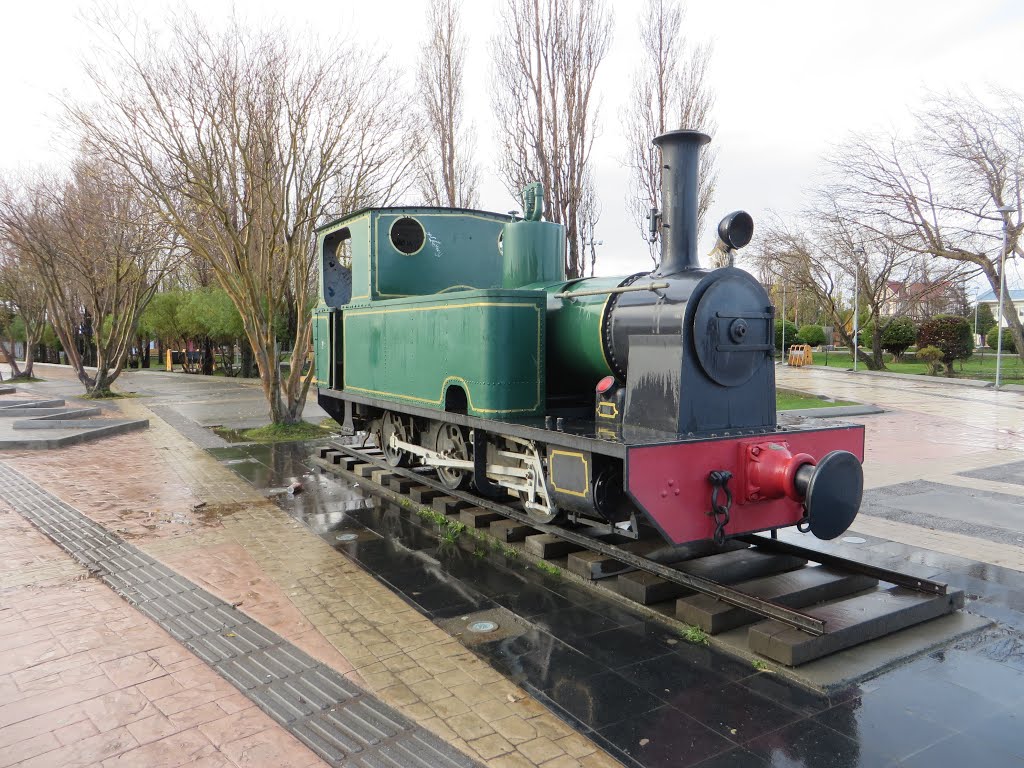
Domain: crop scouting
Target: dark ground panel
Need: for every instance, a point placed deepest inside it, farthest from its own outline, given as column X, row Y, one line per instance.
column 339, row 721
column 1003, row 473
column 971, row 512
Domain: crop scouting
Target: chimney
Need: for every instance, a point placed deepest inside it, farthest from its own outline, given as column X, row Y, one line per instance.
column 680, row 166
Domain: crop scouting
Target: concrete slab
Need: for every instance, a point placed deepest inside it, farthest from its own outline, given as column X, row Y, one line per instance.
column 478, row 517
column 864, row 662
column 50, row 435
column 545, row 545
column 849, row 623
column 797, row 589
column 740, row 565
column 449, row 505
column 509, row 530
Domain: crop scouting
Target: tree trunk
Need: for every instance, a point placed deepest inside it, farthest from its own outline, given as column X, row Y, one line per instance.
column 144, row 352
column 8, row 351
column 30, row 356
column 207, row 357
column 248, row 361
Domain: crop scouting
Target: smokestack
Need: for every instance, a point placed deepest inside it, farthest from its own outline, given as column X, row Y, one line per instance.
column 680, row 166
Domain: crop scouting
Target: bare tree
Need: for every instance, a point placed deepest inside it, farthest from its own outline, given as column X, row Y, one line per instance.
column 99, row 255
column 447, row 174
column 546, row 58
column 669, row 91
column 244, row 139
column 829, row 255
column 23, row 292
column 939, row 191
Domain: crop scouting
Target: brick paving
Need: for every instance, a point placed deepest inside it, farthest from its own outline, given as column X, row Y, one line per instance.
column 173, row 501
column 86, row 680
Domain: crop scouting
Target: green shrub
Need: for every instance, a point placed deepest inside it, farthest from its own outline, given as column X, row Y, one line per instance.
column 898, row 336
column 950, row 333
column 1008, row 344
column 932, row 356
column 811, row 334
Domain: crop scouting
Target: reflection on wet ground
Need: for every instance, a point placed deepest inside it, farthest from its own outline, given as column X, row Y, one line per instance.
column 646, row 695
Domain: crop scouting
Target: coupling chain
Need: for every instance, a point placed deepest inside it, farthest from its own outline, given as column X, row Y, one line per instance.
column 719, row 480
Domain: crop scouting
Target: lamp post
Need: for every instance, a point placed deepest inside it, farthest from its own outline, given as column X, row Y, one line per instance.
column 1004, row 210
column 783, row 354
column 859, row 253
column 977, row 294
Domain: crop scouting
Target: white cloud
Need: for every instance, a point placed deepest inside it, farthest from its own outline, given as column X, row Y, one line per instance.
column 791, row 79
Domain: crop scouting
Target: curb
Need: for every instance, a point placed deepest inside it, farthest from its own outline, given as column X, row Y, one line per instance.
column 976, row 383
column 834, row 412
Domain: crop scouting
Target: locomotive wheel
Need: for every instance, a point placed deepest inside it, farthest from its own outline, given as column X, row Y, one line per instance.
column 451, row 443
column 391, row 424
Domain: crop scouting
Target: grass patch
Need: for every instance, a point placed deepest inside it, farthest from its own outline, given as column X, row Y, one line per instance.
column 981, row 365
column 548, row 568
column 791, row 400
column 23, row 378
column 108, row 394
column 695, row 635
column 759, row 665
column 275, row 433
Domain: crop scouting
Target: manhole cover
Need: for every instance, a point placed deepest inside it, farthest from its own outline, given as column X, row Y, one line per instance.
column 483, row 626
column 853, row 540
column 347, row 536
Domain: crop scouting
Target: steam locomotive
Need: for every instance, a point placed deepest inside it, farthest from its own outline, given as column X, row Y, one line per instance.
column 454, row 337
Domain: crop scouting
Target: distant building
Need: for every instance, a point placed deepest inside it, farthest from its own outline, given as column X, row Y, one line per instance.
column 922, row 300
column 1016, row 295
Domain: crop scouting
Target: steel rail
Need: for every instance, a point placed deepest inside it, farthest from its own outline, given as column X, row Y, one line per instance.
column 765, row 608
column 882, row 574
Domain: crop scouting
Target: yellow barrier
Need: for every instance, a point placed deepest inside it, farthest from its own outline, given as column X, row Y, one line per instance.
column 800, row 354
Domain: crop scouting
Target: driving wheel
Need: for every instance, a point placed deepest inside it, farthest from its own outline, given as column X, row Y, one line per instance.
column 452, row 444
column 392, row 424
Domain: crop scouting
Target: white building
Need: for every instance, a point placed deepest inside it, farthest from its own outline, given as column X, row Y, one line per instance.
column 1016, row 295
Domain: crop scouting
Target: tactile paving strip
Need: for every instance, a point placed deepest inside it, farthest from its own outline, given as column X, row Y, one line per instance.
column 339, row 721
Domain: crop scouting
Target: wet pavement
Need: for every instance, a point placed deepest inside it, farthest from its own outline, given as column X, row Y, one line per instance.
column 648, row 696
column 574, row 670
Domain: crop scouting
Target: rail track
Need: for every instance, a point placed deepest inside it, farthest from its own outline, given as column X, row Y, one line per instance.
column 796, row 604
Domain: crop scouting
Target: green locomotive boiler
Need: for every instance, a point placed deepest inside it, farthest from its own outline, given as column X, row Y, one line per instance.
column 454, row 337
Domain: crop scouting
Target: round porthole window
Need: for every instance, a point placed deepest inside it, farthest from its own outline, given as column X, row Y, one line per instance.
column 407, row 235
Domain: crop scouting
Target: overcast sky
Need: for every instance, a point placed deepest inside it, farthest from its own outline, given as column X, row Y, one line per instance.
column 791, row 79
